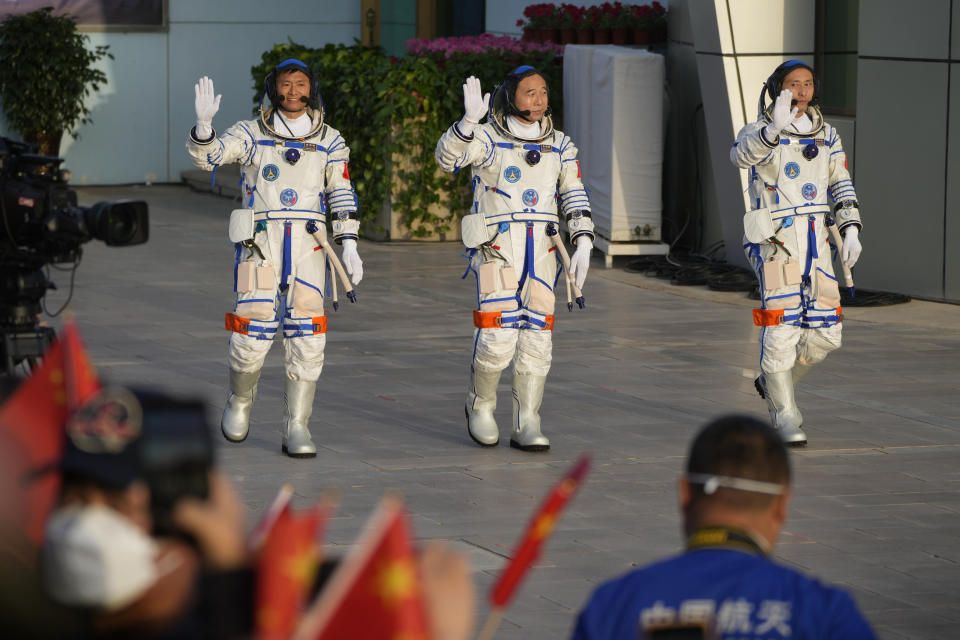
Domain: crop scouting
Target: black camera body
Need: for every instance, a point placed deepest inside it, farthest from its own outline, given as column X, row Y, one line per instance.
column 121, row 435
column 41, row 224
column 176, row 454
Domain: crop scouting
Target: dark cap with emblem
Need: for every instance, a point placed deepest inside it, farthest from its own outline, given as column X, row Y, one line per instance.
column 102, row 443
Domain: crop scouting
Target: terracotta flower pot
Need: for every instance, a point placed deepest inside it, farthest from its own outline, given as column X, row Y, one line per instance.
column 601, row 36
column 619, row 35
column 641, row 35
column 547, row 35
column 568, row 36
column 584, row 36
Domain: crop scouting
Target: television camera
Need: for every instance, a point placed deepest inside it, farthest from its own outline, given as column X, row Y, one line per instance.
column 41, row 224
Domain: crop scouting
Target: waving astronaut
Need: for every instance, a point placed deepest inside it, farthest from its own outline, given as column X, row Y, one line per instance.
column 800, row 194
column 294, row 176
column 523, row 172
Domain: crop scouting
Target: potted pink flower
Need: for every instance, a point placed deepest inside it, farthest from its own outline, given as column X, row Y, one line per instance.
column 585, row 26
column 620, row 24
column 658, row 23
column 542, row 22
column 640, row 20
column 570, row 17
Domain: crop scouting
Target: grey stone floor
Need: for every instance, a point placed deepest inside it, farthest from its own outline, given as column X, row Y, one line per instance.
column 877, row 498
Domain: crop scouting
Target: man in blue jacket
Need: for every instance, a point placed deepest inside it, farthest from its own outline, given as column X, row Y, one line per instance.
column 725, row 585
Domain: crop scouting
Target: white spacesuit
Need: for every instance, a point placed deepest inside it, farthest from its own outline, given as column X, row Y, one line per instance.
column 522, row 169
column 294, row 176
column 799, row 187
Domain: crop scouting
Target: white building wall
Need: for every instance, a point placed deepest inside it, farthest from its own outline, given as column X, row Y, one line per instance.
column 142, row 116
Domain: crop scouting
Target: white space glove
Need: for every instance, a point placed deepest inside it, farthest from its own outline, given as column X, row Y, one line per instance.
column 206, row 105
column 580, row 260
column 352, row 261
column 783, row 115
column 851, row 246
column 474, row 105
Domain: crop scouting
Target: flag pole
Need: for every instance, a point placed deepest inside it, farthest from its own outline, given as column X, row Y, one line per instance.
column 491, row 624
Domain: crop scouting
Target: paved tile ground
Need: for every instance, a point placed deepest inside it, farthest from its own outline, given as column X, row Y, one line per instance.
column 877, row 504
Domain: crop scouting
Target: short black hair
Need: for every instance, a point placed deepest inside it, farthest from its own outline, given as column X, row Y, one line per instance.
column 739, row 446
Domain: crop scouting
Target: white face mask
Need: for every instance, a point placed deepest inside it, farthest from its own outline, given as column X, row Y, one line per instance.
column 95, row 557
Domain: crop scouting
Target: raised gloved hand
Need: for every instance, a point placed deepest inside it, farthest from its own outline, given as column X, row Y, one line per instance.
column 475, row 104
column 580, row 260
column 351, row 261
column 783, row 114
column 206, row 105
column 851, row 246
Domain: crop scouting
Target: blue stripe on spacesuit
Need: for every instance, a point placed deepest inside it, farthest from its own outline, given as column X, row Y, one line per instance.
column 248, row 300
column 287, row 268
column 284, row 214
column 295, row 329
column 476, row 338
column 495, row 190
column 803, row 210
column 782, row 295
column 533, row 277
column 304, row 282
column 238, row 250
column 492, row 146
column 811, row 248
column 842, row 195
column 252, row 147
column 827, row 274
column 518, row 216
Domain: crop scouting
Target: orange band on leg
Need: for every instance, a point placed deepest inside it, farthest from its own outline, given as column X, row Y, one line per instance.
column 486, row 319
column 548, row 323
column 237, row 324
column 319, row 324
column 767, row 317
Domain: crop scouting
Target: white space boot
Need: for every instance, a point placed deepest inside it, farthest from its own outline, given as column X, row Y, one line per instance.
column 297, row 407
column 527, row 395
column 784, row 413
column 481, row 401
column 235, row 423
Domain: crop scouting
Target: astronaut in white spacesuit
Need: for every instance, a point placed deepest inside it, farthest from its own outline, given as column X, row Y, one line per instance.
column 522, row 170
column 294, row 176
column 799, row 189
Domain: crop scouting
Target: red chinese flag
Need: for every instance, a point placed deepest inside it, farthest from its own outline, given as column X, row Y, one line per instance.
column 376, row 593
column 258, row 536
column 539, row 529
column 33, row 419
column 286, row 568
column 80, row 376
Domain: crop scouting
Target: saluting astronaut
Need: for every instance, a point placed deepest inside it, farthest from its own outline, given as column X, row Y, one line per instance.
column 523, row 172
column 799, row 189
column 294, row 176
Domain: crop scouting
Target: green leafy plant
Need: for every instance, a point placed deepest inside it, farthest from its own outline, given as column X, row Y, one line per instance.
column 392, row 111
column 47, row 74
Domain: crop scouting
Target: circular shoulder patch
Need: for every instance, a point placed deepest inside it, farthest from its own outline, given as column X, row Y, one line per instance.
column 809, row 191
column 270, row 172
column 530, row 197
column 288, row 197
column 791, row 170
column 511, row 174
